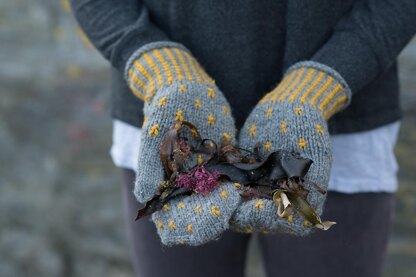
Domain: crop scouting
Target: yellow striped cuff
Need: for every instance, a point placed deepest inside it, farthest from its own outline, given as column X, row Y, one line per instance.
column 159, row 67
column 314, row 84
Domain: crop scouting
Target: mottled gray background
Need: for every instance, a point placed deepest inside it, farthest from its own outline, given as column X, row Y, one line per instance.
column 60, row 208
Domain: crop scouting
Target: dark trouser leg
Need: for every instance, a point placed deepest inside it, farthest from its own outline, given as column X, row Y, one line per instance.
column 356, row 246
column 224, row 257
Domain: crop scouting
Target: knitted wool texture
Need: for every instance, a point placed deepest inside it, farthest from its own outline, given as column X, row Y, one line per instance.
column 174, row 88
column 293, row 117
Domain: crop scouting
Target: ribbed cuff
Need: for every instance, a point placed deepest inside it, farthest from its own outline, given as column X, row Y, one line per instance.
column 313, row 84
column 161, row 64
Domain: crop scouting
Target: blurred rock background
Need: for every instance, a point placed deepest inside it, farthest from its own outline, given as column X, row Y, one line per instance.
column 60, row 204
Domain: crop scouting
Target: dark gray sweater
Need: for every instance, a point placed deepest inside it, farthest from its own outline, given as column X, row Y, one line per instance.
column 246, row 45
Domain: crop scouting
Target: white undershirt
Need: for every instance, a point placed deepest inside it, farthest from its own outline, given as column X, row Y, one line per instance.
column 362, row 162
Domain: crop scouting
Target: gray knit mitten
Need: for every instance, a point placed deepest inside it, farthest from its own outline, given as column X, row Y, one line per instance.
column 176, row 88
column 293, row 117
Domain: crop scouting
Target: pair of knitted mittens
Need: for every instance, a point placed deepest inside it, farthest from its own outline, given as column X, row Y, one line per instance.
column 175, row 88
column 292, row 117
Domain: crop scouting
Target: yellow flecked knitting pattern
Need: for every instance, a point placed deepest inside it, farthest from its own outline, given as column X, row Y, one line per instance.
column 197, row 103
column 159, row 224
column 162, row 67
column 179, row 116
column 302, row 144
column 154, row 130
column 162, row 101
column 215, row 211
column 176, row 88
column 198, row 209
column 310, row 86
column 171, row 225
column 259, row 204
column 211, row 92
column 252, row 130
column 211, row 119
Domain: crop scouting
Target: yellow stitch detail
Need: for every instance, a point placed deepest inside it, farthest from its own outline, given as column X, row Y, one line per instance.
column 265, row 97
column 224, row 194
column 162, row 101
column 181, row 205
column 143, row 71
column 302, row 85
column 330, row 96
column 248, row 230
column 179, row 53
column 166, row 208
column 189, row 59
column 302, row 143
column 176, row 66
column 292, row 85
column 182, row 88
column 215, row 211
column 226, row 137
column 305, row 223
column 268, row 146
column 139, row 94
column 136, row 80
column 225, row 109
column 211, row 119
column 283, row 85
column 269, row 113
column 319, row 129
column 322, row 89
column 252, row 130
column 237, row 185
column 312, row 87
column 195, row 67
column 335, row 106
column 165, row 66
column 265, row 231
column 152, row 64
column 147, row 99
column 197, row 103
column 189, row 228
column 179, row 116
column 198, row 209
column 298, row 110
column 171, row 225
column 290, row 218
column 259, row 204
column 199, row 158
column 211, row 92
column 283, row 127
column 154, row 130
column 159, row 224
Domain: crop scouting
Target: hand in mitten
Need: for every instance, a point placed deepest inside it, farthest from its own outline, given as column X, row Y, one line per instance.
column 175, row 88
column 293, row 117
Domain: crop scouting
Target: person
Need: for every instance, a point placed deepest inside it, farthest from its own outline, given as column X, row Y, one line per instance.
column 294, row 75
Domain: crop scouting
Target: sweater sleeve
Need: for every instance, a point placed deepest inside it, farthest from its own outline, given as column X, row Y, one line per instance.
column 368, row 39
column 117, row 28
